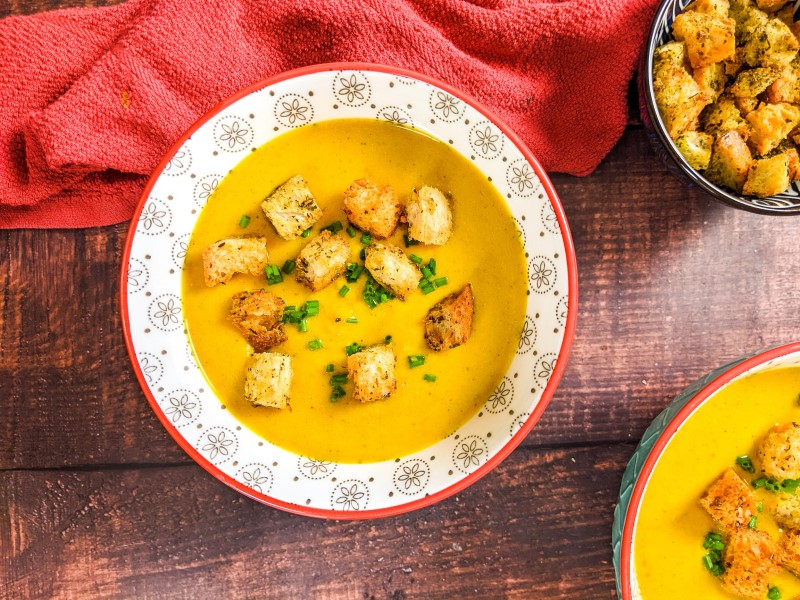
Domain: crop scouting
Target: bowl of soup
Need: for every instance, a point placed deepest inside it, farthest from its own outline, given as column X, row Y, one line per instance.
column 349, row 291
column 707, row 505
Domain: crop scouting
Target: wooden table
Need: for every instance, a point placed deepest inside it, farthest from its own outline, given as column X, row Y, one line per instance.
column 96, row 500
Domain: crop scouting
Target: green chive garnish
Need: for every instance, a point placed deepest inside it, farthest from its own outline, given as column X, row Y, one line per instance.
column 440, row 281
column 352, row 320
column 351, row 231
column 343, row 291
column 337, row 393
column 408, row 241
column 273, row 274
column 334, row 227
column 432, row 265
column 303, row 325
column 353, row 272
column 366, row 239
column 760, row 507
column 363, row 254
column 244, row 221
column 353, row 348
column 415, row 259
column 329, row 368
column 289, row 266
column 416, row 360
column 338, row 379
column 713, row 558
column 306, row 233
column 426, row 272
column 745, row 463
column 315, row 344
column 429, row 377
column 387, row 339
column 312, row 308
column 753, row 522
column 774, row 593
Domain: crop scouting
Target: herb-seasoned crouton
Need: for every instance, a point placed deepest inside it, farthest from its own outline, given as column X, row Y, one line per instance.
column 790, row 550
column 392, row 269
column 672, row 53
column 752, row 82
column 268, row 380
column 710, row 7
column 257, row 314
column 770, row 6
column 696, row 148
column 372, row 208
column 430, row 220
column 372, row 372
column 291, row 208
column 748, row 18
column 751, row 558
column 768, row 176
column 786, row 14
column 779, row 452
column 794, row 163
column 786, row 88
column 711, row 80
column 723, row 116
column 746, row 105
column 222, row 259
column 730, row 161
column 678, row 97
column 449, row 322
column 730, row 501
column 771, row 44
column 786, row 510
column 708, row 37
column 770, row 124
column 322, row 260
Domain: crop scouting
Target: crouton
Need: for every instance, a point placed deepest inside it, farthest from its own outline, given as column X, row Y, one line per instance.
column 711, row 79
column 723, row 116
column 786, row 88
column 709, row 38
column 752, row 82
column 372, row 372
column 770, row 124
column 257, row 314
column 771, row 44
column 768, row 176
column 449, row 322
column 770, row 6
column 730, row 161
column 430, row 219
column 746, row 105
column 779, row 452
column 222, row 259
column 734, row 65
column 671, row 53
column 322, row 260
column 789, row 543
column 678, row 97
column 748, row 18
column 719, row 8
column 372, row 208
column 794, row 163
column 786, row 510
column 730, row 501
column 751, row 558
column 291, row 208
column 696, row 148
column 786, row 14
column 268, row 380
column 392, row 269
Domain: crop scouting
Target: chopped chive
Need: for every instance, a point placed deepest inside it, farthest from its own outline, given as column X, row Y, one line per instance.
column 337, row 393
column 745, row 463
column 753, row 522
column 416, row 360
column 432, row 265
column 415, row 259
column 440, row 281
column 329, row 368
column 774, row 593
column 387, row 339
column 353, row 272
column 334, row 227
column 244, row 221
column 713, row 558
column 366, row 239
column 408, row 241
column 303, row 325
column 315, row 344
column 363, row 254
column 353, row 348
column 426, row 272
column 312, row 308
column 343, row 291
column 306, row 233
column 351, row 231
column 289, row 266
column 426, row 288
column 790, row 485
column 352, row 320
column 273, row 274
column 429, row 377
column 339, row 379
column 760, row 507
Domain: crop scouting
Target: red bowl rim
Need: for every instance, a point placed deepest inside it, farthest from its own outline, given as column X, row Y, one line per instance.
column 547, row 394
column 672, row 427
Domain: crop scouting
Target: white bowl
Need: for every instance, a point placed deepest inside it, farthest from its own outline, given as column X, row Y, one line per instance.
column 151, row 292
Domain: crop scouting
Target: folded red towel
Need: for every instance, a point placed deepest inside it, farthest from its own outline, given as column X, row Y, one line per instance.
column 90, row 99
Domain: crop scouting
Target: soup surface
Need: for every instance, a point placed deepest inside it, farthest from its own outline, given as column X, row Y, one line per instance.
column 484, row 250
column 668, row 541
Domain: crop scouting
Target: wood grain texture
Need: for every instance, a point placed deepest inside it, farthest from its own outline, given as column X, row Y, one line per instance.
column 537, row 527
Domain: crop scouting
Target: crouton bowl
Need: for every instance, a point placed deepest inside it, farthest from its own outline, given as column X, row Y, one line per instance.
column 720, row 99
column 349, row 291
column 709, row 504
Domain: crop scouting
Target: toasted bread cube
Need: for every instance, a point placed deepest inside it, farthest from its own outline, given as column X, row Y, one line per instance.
column 291, row 208
column 770, row 6
column 752, row 82
column 671, row 53
column 372, row 372
column 770, row 124
column 268, row 380
column 449, row 322
column 772, row 44
column 696, row 148
column 430, row 219
column 768, row 176
column 723, row 116
column 786, row 14
column 730, row 501
column 372, row 208
column 708, row 38
column 746, row 105
column 730, row 161
column 322, row 260
column 749, row 18
column 786, row 510
column 257, row 314
column 790, row 550
column 392, row 269
column 678, row 97
column 751, row 558
column 224, row 258
column 779, row 452
column 786, row 88
column 719, row 8
column 711, row 79
column 794, row 163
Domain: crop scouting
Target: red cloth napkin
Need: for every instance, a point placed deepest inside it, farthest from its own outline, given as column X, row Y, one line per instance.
column 91, row 98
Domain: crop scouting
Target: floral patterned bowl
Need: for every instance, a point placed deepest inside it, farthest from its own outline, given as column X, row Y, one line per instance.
column 655, row 440
column 151, row 293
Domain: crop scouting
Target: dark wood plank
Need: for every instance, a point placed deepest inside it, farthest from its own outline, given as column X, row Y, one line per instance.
column 536, row 527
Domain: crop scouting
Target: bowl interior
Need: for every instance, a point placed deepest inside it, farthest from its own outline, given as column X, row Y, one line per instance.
column 162, row 356
column 660, row 33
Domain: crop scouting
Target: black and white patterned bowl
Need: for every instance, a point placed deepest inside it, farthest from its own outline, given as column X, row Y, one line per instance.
column 787, row 203
column 153, row 318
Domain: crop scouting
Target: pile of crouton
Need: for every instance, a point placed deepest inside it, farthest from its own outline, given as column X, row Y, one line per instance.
column 728, row 91
column 752, row 557
column 293, row 210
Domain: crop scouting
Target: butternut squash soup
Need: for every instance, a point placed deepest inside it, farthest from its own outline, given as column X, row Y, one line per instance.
column 436, row 392
column 709, row 524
